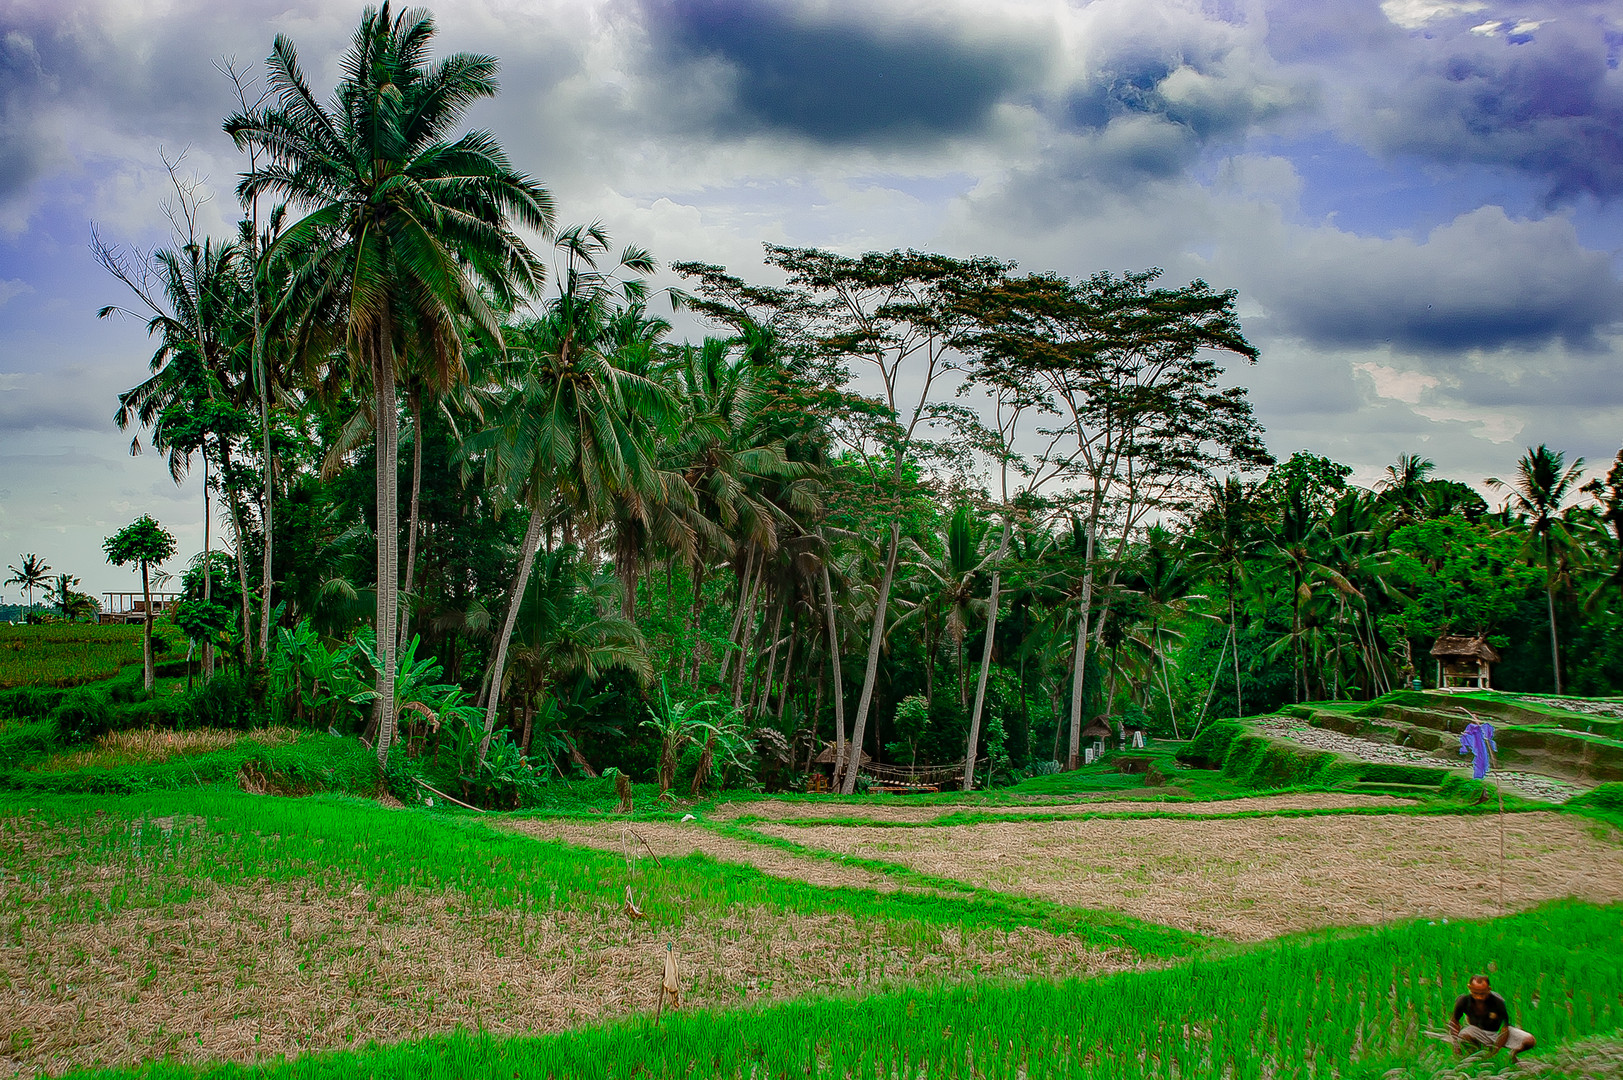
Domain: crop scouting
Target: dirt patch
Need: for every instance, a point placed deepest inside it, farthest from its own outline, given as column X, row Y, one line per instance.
column 247, row 972
column 1255, row 879
column 781, row 811
column 667, row 841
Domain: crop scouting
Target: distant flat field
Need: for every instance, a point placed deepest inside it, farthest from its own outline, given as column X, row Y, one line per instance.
column 1252, row 879
column 773, row 810
column 65, row 654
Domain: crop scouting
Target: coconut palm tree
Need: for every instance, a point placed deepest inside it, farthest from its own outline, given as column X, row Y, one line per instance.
column 34, row 573
column 572, row 430
column 1542, row 483
column 413, row 231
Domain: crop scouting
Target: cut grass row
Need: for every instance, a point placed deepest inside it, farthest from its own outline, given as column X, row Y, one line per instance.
column 1344, row 1006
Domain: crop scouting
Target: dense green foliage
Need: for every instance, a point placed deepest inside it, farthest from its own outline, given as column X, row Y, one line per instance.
column 566, row 507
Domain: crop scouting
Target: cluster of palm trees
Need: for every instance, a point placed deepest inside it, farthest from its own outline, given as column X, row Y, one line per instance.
column 590, row 506
column 32, row 572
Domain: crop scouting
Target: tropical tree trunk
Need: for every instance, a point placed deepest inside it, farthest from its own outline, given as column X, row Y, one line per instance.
column 1166, row 682
column 1555, row 646
column 146, row 636
column 749, row 629
column 693, row 619
column 839, row 685
column 788, row 674
column 875, row 639
column 242, row 552
column 771, row 659
column 387, row 423
column 208, row 570
column 745, row 581
column 986, row 663
column 521, row 581
column 1074, row 753
column 1234, row 630
column 411, row 518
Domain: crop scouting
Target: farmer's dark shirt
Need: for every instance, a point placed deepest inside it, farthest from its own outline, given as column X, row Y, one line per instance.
column 1489, row 1014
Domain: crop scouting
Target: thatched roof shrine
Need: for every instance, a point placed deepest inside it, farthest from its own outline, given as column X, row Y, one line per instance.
column 827, row 756
column 1474, row 648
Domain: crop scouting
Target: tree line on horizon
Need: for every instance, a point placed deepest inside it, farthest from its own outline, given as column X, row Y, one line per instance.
column 928, row 507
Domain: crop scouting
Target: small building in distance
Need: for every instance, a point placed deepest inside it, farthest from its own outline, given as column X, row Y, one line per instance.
column 1464, row 663
column 1093, row 739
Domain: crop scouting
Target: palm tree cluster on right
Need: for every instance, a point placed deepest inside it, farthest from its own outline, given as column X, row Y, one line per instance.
column 465, row 466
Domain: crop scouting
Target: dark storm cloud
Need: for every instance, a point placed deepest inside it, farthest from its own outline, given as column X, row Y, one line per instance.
column 1483, row 281
column 838, row 78
column 1535, row 88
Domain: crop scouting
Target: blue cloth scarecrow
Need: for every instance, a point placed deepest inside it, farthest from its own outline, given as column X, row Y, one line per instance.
column 1477, row 740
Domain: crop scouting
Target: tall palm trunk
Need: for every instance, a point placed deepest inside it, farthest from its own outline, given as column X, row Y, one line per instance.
column 745, row 581
column 1549, row 596
column 261, row 374
column 411, row 517
column 749, row 629
column 521, row 581
column 387, row 423
column 1074, row 752
column 788, row 674
column 875, row 639
column 208, row 570
column 1166, row 682
column 839, row 685
column 693, row 618
column 1234, row 630
column 771, row 660
column 242, row 552
column 986, row 663
column 146, row 636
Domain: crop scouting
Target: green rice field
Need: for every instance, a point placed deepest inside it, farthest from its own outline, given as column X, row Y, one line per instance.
column 67, row 654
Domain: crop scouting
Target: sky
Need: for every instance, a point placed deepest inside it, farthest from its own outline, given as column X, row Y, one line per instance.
column 1419, row 203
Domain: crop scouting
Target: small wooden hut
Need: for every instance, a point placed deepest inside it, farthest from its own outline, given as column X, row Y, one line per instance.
column 1464, row 663
column 823, row 766
column 1093, row 739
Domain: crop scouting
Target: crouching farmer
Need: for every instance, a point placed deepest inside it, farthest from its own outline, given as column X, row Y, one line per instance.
column 1487, row 1023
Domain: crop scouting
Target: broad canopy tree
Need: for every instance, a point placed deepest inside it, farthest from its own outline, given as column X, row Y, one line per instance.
column 146, row 542
column 1128, row 374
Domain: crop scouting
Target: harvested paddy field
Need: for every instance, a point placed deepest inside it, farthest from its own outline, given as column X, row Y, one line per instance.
column 243, row 971
column 1251, row 879
column 774, row 810
column 647, row 839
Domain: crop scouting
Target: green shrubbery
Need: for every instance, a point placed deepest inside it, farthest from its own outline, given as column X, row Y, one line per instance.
column 1256, row 761
column 1605, row 797
column 315, row 763
column 1208, row 749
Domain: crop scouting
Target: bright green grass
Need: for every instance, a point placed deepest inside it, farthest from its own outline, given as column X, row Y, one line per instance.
column 67, row 654
column 229, row 837
column 1351, row 1006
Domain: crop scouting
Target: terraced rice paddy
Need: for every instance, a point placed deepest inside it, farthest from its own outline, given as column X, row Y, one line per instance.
column 207, row 927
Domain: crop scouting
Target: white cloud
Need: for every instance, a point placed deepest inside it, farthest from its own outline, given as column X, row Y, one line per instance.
column 1417, row 14
column 1404, row 386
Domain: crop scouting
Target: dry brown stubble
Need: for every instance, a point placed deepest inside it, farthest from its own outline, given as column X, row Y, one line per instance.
column 669, row 841
column 1251, row 879
column 773, row 810
column 244, row 972
column 158, row 744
